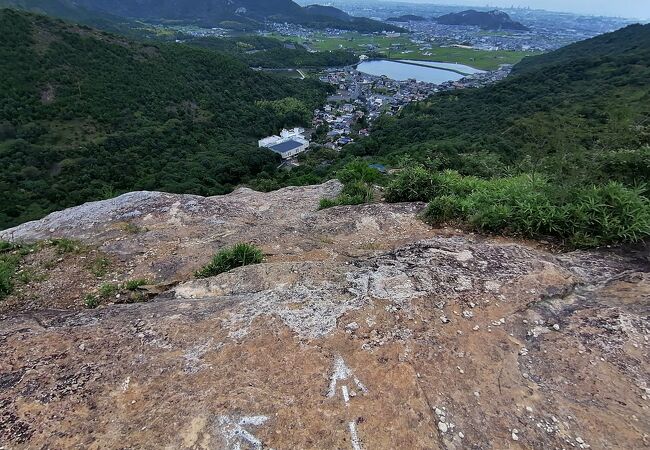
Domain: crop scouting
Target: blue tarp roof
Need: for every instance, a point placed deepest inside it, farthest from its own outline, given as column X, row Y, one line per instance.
column 285, row 147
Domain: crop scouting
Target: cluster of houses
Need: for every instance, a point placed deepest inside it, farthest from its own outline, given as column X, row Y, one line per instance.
column 359, row 100
column 340, row 120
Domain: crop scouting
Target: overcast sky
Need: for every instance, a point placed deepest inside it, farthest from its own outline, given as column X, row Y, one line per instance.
column 638, row 9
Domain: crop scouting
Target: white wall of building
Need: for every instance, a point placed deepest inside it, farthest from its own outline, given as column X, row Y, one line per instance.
column 295, row 151
column 268, row 141
column 292, row 133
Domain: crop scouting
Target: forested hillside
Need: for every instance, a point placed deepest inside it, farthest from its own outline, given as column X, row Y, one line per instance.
column 580, row 114
column 258, row 51
column 70, row 10
column 238, row 14
column 85, row 115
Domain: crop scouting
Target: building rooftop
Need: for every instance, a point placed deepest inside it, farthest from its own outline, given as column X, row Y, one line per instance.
column 286, row 146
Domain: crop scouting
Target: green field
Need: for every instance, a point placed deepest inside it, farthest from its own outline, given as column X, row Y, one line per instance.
column 402, row 48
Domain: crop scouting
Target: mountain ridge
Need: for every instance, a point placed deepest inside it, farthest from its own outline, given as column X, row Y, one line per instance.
column 491, row 20
column 208, row 12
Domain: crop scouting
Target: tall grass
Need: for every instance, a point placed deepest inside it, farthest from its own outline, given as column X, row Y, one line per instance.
column 588, row 216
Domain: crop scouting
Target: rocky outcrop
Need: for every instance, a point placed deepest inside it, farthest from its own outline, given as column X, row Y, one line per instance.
column 363, row 328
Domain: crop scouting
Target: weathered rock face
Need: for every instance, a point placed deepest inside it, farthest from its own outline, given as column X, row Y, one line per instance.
column 364, row 328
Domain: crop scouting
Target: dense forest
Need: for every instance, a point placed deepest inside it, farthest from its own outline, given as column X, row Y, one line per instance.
column 258, row 51
column 71, row 11
column 85, row 115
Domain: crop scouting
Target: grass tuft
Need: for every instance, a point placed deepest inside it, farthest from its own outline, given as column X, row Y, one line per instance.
column 91, row 301
column 238, row 255
column 100, row 266
column 133, row 285
column 65, row 245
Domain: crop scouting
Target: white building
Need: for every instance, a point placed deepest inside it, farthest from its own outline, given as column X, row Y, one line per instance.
column 293, row 133
column 290, row 148
column 288, row 144
column 269, row 141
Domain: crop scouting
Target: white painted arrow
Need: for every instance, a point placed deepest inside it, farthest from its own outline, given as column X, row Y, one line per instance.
column 341, row 373
column 234, row 433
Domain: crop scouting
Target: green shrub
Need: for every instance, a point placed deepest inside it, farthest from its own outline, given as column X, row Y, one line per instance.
column 91, row 301
column 327, row 203
column 132, row 285
column 64, row 245
column 608, row 214
column 108, row 290
column 8, row 265
column 445, row 208
column 580, row 217
column 358, row 171
column 357, row 178
column 355, row 193
column 10, row 256
column 412, row 184
column 7, row 246
column 239, row 255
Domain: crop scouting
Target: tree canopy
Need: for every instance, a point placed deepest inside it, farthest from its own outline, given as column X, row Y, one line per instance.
column 86, row 114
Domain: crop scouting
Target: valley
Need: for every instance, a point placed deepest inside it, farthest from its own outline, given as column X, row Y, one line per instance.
column 247, row 224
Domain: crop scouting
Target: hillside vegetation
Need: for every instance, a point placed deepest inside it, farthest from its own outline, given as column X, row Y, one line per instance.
column 580, row 114
column 237, row 14
column 561, row 148
column 71, row 11
column 490, row 20
column 85, row 115
column 258, row 51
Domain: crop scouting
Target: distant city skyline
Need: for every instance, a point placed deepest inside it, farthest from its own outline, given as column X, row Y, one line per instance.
column 636, row 9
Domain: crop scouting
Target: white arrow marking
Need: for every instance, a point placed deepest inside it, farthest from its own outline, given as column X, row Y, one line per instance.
column 234, row 433
column 346, row 395
column 356, row 443
column 342, row 372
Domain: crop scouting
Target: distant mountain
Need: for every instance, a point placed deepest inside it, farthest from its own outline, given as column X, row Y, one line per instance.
column 207, row 12
column 491, row 20
column 327, row 11
column 72, row 11
column 407, row 18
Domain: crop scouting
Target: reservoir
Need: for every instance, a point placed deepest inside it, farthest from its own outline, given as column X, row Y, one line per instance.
column 420, row 70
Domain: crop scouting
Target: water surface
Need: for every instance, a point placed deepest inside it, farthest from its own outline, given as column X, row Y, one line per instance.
column 400, row 71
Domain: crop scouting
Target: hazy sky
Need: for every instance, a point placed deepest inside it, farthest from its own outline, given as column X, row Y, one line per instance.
column 638, row 9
